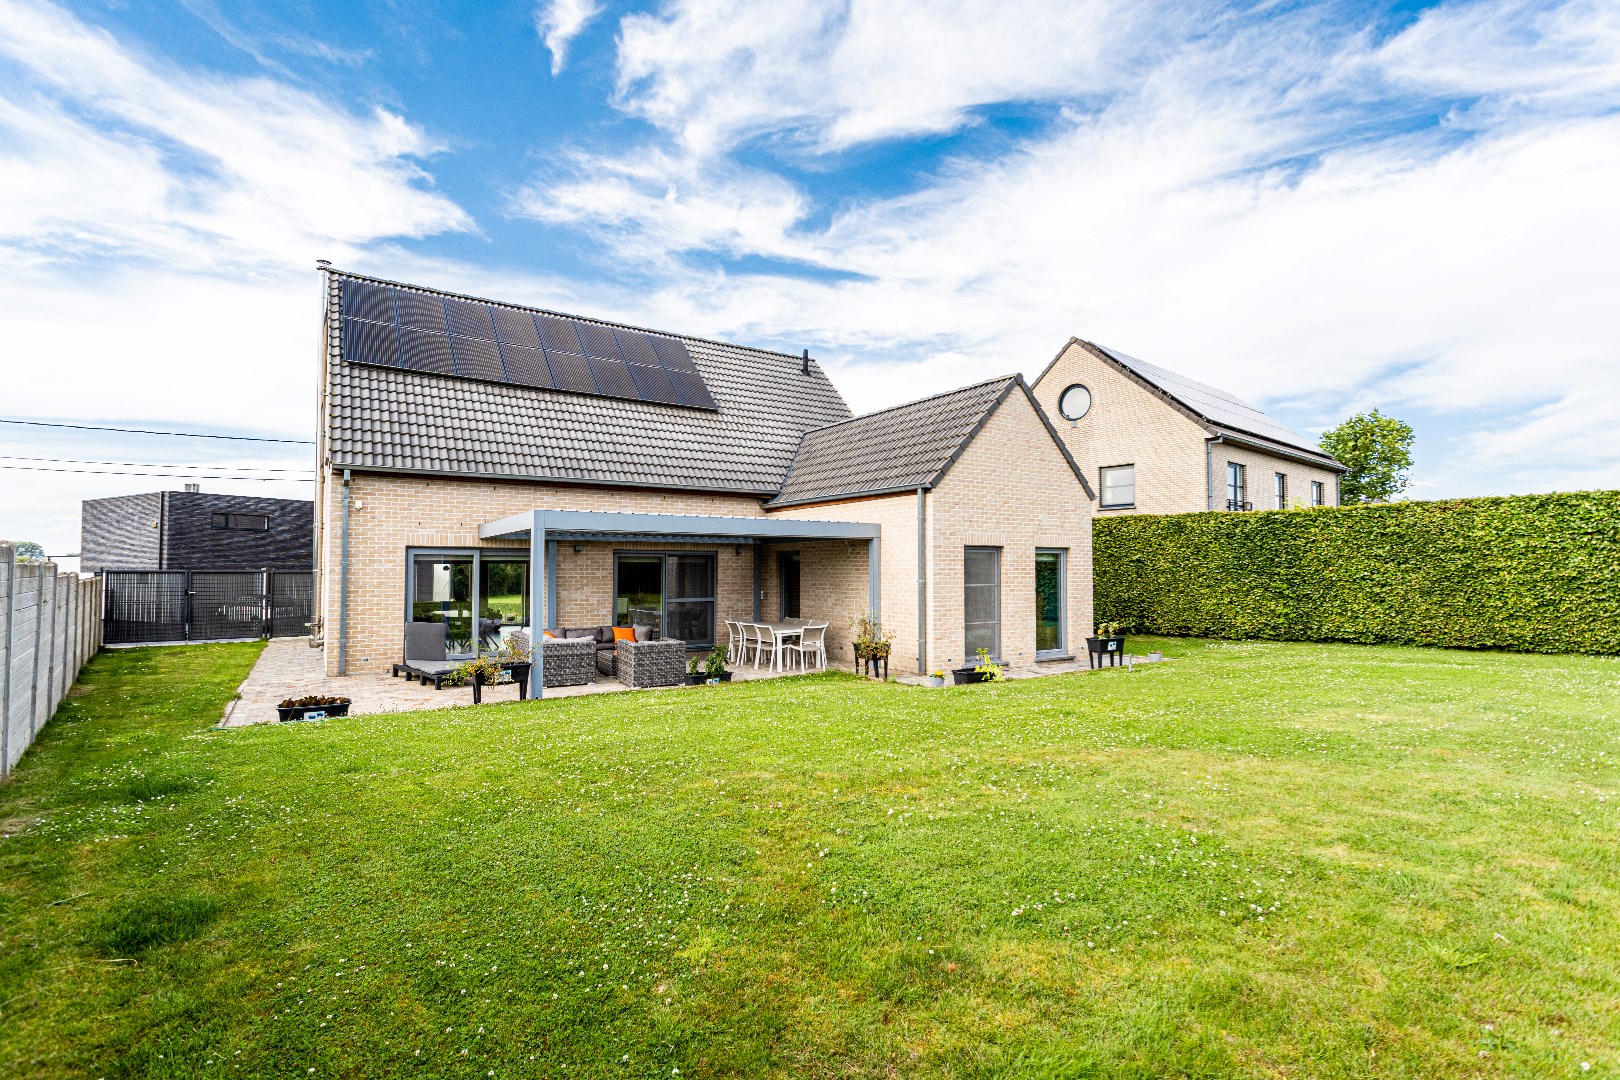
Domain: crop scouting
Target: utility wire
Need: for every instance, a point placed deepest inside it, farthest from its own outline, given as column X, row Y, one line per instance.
column 147, row 431
column 177, row 476
column 150, row 465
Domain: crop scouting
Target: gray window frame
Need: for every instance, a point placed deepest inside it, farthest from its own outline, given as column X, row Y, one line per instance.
column 1237, row 486
column 1102, row 487
column 1318, row 493
column 995, row 650
column 1279, row 485
column 476, row 590
column 713, row 555
column 1062, row 649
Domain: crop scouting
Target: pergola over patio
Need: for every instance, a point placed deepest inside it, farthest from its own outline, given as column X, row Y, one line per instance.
column 544, row 529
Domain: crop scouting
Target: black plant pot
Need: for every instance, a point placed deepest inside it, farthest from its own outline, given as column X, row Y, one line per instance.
column 298, row 712
column 962, row 676
column 695, row 680
column 724, row 676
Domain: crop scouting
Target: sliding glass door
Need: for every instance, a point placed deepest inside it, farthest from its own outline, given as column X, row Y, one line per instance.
column 1050, row 604
column 451, row 586
column 673, row 592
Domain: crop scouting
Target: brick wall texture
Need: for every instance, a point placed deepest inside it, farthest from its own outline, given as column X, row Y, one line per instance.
column 1010, row 489
column 1131, row 425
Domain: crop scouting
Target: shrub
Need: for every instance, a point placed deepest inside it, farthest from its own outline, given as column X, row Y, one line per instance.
column 1537, row 573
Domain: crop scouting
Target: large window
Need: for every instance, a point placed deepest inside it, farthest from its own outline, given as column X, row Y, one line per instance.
column 788, row 565
column 674, row 593
column 981, row 601
column 442, row 591
column 1050, row 603
column 1118, row 483
column 449, row 586
column 1237, row 487
column 1280, row 484
column 1318, row 493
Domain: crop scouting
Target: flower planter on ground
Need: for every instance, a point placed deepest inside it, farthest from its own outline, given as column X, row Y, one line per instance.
column 935, row 680
column 962, row 676
column 311, row 708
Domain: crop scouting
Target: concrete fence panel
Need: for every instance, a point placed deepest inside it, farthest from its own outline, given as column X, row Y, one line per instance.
column 50, row 624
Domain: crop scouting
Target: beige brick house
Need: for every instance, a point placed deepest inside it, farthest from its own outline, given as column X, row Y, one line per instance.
column 492, row 467
column 1155, row 442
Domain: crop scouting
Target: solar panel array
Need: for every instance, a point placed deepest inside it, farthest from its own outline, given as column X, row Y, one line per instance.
column 445, row 335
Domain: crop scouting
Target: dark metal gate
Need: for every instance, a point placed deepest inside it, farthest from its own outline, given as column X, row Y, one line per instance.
column 205, row 605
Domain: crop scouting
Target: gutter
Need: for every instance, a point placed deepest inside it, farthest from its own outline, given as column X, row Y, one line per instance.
column 922, row 583
column 343, row 584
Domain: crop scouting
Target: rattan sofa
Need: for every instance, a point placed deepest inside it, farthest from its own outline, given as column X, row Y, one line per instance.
column 568, row 661
column 640, row 664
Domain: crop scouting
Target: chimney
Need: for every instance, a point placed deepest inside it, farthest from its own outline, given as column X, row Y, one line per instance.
column 804, row 369
column 193, row 488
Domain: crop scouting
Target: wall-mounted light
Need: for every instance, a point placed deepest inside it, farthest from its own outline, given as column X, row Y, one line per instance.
column 738, row 549
column 578, row 549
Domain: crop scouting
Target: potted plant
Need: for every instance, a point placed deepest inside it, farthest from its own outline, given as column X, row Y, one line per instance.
column 1109, row 641
column 312, row 707
column 986, row 670
column 714, row 667
column 694, row 671
column 936, row 678
column 872, row 644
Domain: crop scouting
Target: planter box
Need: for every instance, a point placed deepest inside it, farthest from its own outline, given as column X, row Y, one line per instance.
column 936, row 681
column 1105, row 650
column 312, row 712
column 713, row 680
column 962, row 676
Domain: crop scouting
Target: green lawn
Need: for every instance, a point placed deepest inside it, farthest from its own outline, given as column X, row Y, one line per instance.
column 1257, row 860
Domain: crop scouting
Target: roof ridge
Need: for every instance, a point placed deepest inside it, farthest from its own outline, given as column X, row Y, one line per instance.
column 334, row 271
column 909, row 404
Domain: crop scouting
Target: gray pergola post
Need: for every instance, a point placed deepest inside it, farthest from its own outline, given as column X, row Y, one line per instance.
column 540, row 600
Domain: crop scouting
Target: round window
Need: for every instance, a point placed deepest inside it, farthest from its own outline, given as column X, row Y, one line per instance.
column 1074, row 402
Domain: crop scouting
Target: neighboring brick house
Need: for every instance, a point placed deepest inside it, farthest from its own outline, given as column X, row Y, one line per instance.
column 493, row 466
column 1156, row 442
column 196, row 530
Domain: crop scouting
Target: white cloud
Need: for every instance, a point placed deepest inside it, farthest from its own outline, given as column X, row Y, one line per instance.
column 158, row 232
column 559, row 22
column 1256, row 203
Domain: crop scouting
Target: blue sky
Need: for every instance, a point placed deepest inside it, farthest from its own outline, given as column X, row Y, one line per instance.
column 1321, row 207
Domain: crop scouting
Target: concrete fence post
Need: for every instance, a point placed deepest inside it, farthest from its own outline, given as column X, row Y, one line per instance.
column 8, row 590
column 39, row 627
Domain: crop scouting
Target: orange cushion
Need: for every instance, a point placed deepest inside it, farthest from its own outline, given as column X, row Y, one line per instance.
column 624, row 633
column 549, row 634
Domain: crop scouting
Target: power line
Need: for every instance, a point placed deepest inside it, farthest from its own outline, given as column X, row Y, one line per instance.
column 146, row 431
column 176, row 476
column 150, row 465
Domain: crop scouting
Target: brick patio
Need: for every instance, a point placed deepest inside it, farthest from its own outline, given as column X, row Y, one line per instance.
column 290, row 668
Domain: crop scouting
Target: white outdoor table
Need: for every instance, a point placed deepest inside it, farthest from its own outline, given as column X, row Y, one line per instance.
column 781, row 631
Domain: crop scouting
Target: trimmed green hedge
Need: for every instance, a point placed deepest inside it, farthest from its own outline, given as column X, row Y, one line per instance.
column 1537, row 573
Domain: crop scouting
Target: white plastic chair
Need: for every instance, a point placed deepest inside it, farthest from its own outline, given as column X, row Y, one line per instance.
column 812, row 642
column 764, row 641
column 734, row 641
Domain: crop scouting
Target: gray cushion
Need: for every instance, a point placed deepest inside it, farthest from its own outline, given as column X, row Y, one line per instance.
column 577, row 632
column 643, row 633
column 424, row 641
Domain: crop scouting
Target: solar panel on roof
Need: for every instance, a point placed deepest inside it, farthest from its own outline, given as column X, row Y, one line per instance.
column 525, row 367
column 612, row 378
column 446, row 335
column 672, row 354
column 420, row 311
column 422, row 351
column 637, row 347
column 597, row 340
column 569, row 371
column 652, row 383
column 477, row 359
column 515, row 328
column 363, row 300
column 691, row 391
column 371, row 343
column 556, row 333
column 468, row 319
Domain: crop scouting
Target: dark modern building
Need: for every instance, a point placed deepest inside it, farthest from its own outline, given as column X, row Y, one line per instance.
column 195, row 530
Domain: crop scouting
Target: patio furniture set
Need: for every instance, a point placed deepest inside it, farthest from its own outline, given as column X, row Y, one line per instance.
column 635, row 656
column 785, row 643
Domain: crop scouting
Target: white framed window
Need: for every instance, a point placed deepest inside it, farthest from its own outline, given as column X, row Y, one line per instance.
column 1117, row 484
column 1318, row 493
column 1280, row 484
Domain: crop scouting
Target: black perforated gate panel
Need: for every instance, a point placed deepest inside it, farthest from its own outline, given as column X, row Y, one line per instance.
column 178, row 605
